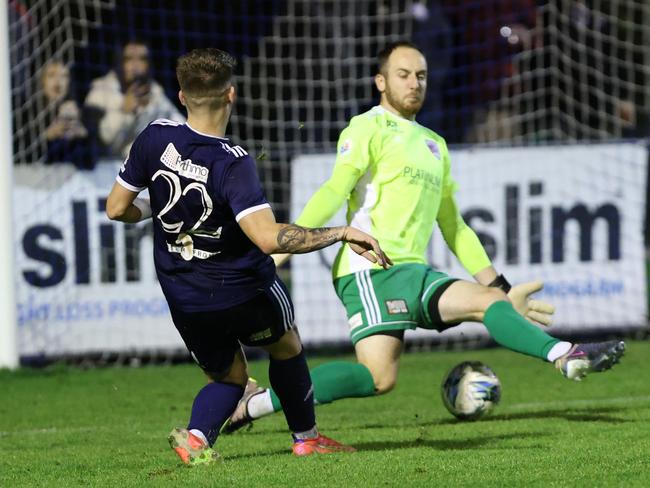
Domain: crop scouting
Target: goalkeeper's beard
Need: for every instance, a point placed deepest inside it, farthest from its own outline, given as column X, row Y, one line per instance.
column 404, row 107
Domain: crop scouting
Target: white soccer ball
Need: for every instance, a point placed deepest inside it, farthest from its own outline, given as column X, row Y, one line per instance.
column 470, row 390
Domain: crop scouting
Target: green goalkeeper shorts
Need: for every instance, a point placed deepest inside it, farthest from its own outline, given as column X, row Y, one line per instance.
column 395, row 299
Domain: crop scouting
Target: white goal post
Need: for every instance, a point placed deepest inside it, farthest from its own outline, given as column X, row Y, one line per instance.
column 8, row 341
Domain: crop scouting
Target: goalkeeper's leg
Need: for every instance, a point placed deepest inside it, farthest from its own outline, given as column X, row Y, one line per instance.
column 465, row 301
column 332, row 381
column 374, row 374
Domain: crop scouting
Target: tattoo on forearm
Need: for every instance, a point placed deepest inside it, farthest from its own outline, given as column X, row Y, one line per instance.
column 295, row 239
column 291, row 237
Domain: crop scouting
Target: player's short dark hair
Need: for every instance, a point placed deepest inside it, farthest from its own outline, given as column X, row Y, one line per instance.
column 205, row 73
column 384, row 54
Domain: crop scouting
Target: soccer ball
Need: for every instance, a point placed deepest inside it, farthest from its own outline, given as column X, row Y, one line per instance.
column 470, row 390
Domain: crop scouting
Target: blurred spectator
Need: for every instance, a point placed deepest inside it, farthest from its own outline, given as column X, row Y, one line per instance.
column 433, row 35
column 66, row 136
column 126, row 99
column 53, row 121
column 488, row 34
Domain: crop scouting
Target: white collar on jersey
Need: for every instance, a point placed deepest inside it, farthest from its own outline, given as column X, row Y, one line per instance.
column 381, row 109
column 203, row 134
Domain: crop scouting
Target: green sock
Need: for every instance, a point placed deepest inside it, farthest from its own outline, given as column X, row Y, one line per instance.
column 509, row 329
column 339, row 379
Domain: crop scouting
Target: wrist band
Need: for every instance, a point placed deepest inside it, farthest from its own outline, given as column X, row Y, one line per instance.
column 502, row 283
column 144, row 207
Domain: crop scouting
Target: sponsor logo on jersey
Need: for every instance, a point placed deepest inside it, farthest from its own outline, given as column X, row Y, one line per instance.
column 396, row 306
column 184, row 167
column 433, row 147
column 422, row 177
column 345, row 147
column 393, row 126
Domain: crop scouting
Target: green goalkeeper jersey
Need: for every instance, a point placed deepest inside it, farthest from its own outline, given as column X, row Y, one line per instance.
column 395, row 174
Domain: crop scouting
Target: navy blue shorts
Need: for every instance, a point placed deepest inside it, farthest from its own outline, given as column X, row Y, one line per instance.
column 213, row 337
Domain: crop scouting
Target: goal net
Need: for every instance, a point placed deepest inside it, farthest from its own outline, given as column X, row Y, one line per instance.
column 501, row 74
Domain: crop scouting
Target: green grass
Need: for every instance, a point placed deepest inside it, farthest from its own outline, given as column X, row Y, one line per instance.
column 108, row 427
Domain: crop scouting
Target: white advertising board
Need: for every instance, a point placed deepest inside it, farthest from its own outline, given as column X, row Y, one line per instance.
column 83, row 283
column 571, row 216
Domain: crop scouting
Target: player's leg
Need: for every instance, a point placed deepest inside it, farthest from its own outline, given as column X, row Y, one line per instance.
column 291, row 382
column 464, row 301
column 381, row 305
column 460, row 301
column 380, row 354
column 289, row 378
column 332, row 381
column 371, row 325
column 269, row 324
column 219, row 355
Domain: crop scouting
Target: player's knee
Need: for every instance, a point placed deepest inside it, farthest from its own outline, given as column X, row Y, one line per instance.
column 233, row 376
column 287, row 347
column 384, row 385
column 384, row 381
column 235, row 373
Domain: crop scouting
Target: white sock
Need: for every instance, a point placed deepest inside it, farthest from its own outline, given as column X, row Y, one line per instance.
column 308, row 434
column 260, row 405
column 558, row 350
column 200, row 435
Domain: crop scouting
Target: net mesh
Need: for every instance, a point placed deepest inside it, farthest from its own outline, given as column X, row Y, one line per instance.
column 501, row 72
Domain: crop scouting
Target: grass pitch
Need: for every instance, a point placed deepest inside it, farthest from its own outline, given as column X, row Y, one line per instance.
column 107, row 427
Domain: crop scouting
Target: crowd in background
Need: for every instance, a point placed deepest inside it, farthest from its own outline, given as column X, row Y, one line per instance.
column 104, row 123
column 475, row 49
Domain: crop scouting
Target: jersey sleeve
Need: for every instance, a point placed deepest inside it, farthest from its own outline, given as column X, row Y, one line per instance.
column 460, row 237
column 354, row 147
column 449, row 185
column 133, row 173
column 242, row 188
column 353, row 157
column 329, row 198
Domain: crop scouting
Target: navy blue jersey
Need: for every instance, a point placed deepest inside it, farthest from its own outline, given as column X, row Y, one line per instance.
column 200, row 186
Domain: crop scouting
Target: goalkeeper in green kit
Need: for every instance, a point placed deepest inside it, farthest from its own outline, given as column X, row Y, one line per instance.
column 395, row 176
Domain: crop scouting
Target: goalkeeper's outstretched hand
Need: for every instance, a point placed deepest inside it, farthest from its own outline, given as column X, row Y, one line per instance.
column 534, row 310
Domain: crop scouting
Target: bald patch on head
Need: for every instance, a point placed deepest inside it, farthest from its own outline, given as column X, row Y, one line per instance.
column 405, row 58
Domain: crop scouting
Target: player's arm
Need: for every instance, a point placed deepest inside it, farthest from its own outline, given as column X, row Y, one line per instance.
column 123, row 205
column 327, row 200
column 354, row 156
column 273, row 237
column 467, row 247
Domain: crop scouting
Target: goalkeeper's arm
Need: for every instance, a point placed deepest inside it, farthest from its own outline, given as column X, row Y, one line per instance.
column 467, row 247
column 464, row 242
column 327, row 200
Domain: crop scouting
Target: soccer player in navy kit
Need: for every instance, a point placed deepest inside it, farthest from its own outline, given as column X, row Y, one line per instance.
column 213, row 233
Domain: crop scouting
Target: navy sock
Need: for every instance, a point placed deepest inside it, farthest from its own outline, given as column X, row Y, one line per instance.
column 292, row 384
column 212, row 407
